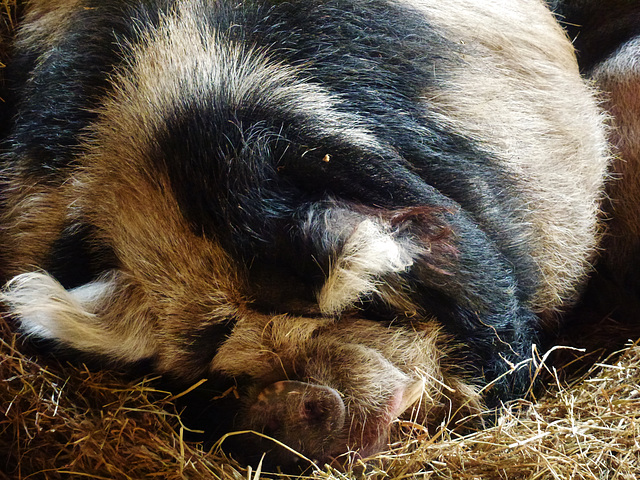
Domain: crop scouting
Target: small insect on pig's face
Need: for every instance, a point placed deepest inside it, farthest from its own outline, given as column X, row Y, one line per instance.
column 325, row 387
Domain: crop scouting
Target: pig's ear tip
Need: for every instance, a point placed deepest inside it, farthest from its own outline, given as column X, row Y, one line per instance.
column 407, row 398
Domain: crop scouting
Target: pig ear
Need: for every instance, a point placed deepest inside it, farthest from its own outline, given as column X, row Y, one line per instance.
column 46, row 310
column 429, row 228
column 371, row 252
column 367, row 249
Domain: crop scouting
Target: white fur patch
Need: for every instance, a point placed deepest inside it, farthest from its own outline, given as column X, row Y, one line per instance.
column 368, row 254
column 46, row 310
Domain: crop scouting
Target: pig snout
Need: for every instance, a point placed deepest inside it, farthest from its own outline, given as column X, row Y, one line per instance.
column 310, row 419
column 307, row 418
column 288, row 408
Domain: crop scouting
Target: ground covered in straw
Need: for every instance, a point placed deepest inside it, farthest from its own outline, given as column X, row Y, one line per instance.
column 60, row 421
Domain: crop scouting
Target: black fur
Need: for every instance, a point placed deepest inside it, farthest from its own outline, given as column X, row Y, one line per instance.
column 598, row 27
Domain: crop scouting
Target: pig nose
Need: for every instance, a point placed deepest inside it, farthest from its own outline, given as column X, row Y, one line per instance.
column 291, row 405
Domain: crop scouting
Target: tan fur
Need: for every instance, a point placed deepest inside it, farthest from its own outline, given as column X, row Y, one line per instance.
column 549, row 138
column 160, row 297
column 45, row 21
column 286, row 346
column 33, row 219
column 188, row 281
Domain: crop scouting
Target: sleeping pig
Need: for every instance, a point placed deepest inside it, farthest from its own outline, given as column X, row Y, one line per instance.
column 352, row 209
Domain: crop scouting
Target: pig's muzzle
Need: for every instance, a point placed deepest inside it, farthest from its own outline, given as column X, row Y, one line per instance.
column 287, row 409
column 311, row 420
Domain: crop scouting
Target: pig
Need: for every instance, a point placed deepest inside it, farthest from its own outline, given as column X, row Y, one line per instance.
column 606, row 36
column 352, row 210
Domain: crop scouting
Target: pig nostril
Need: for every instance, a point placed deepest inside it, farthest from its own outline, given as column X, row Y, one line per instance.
column 314, row 410
column 322, row 407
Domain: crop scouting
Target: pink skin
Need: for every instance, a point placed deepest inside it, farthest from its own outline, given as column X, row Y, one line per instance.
column 374, row 437
column 375, row 434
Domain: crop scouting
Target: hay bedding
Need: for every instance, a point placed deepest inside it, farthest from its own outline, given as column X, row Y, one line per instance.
column 61, row 420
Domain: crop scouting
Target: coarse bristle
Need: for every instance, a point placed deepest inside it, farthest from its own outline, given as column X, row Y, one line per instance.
column 8, row 19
